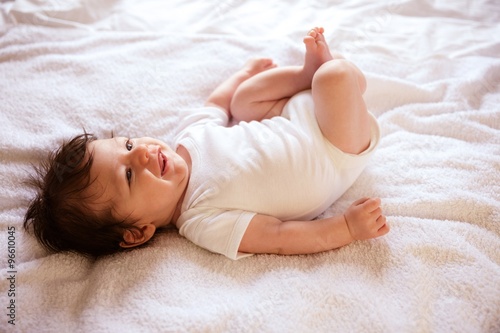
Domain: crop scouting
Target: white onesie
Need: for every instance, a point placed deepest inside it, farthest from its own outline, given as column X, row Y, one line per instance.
column 282, row 167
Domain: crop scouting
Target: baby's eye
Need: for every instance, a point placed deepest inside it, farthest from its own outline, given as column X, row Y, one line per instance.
column 128, row 173
column 129, row 145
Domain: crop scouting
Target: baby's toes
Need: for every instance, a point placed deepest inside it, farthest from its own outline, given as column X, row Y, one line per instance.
column 321, row 38
column 310, row 43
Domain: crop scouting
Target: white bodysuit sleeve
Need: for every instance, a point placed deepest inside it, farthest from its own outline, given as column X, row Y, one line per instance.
column 216, row 230
column 199, row 117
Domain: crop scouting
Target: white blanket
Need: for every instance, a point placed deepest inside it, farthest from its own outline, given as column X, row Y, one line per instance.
column 131, row 67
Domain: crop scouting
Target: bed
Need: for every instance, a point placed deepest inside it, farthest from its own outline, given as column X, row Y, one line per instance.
column 131, row 67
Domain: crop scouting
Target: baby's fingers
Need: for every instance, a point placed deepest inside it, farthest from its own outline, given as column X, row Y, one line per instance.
column 360, row 201
column 383, row 226
column 381, row 220
column 372, row 205
column 377, row 213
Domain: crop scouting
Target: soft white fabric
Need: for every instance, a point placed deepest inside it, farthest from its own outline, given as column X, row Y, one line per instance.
column 433, row 73
column 281, row 167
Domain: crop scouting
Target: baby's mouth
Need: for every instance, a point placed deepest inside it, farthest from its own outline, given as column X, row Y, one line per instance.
column 163, row 162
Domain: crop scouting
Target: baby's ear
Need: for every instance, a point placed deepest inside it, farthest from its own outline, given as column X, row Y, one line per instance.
column 134, row 237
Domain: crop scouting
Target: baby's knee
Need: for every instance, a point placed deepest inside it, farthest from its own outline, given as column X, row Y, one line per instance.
column 333, row 72
column 339, row 72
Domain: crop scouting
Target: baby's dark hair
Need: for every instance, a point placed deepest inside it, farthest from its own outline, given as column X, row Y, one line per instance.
column 60, row 214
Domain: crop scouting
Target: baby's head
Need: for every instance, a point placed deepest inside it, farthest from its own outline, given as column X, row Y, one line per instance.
column 98, row 197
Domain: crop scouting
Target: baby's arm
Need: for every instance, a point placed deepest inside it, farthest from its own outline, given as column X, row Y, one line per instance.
column 362, row 220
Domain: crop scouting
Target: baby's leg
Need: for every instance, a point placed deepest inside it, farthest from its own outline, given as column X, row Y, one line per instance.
column 223, row 94
column 337, row 90
column 264, row 95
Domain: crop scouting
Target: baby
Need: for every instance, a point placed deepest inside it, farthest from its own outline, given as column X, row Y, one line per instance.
column 302, row 136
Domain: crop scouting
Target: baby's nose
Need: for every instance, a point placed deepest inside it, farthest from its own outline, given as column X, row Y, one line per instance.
column 142, row 154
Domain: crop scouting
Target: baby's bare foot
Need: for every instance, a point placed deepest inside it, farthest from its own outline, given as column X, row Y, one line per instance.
column 317, row 52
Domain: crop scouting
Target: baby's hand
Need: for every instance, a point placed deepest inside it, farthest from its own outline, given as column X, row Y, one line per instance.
column 365, row 220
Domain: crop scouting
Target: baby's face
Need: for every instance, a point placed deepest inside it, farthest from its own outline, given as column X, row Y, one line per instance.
column 142, row 178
